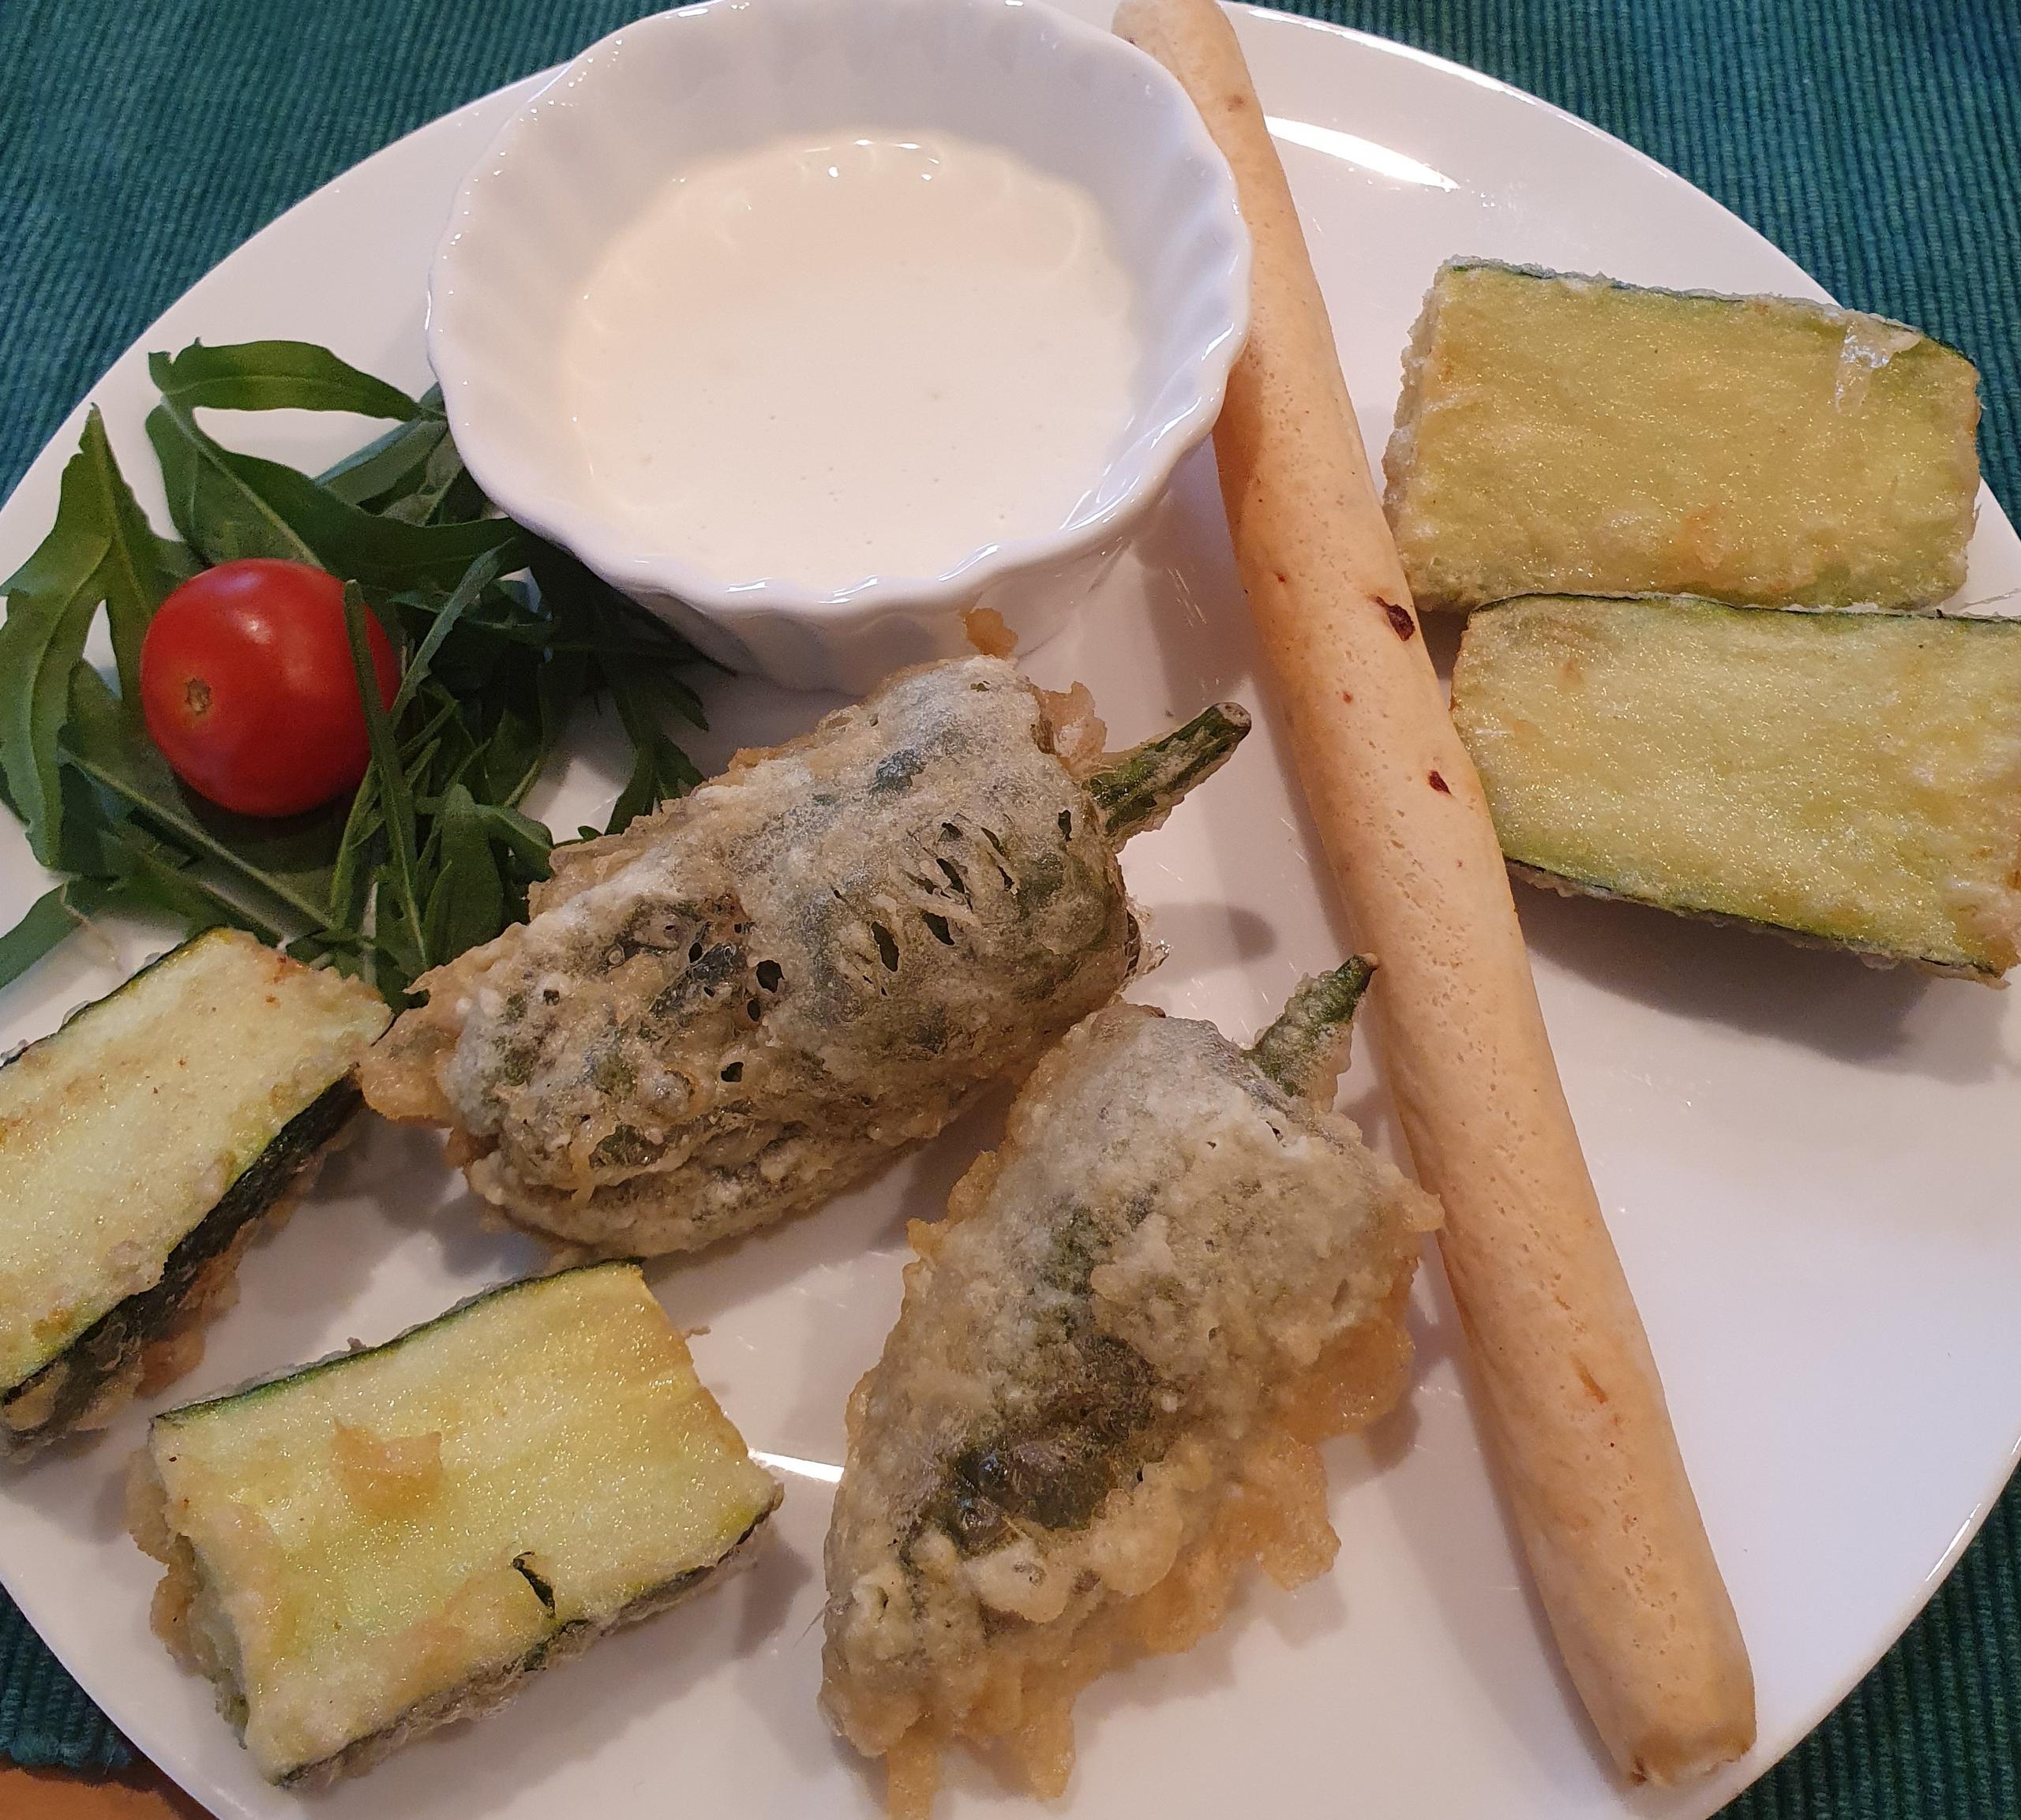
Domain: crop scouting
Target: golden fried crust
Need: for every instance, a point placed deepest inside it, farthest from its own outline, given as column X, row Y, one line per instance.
column 1102, row 1391
column 747, row 1001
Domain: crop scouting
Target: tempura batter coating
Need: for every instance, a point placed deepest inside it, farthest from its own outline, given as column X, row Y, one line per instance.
column 1101, row 1394
column 745, row 1002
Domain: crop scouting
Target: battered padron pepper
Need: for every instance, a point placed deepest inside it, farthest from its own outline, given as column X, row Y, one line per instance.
column 1179, row 1271
column 747, row 1000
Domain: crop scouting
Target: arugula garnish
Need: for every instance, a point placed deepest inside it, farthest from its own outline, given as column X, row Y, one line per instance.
column 432, row 855
column 277, row 376
column 101, row 551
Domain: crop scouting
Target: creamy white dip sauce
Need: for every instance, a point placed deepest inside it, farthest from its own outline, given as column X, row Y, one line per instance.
column 877, row 355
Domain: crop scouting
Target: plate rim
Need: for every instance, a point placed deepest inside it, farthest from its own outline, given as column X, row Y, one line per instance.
column 1723, row 1786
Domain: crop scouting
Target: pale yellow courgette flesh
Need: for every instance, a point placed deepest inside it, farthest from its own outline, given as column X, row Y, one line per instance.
column 139, row 1143
column 1849, row 778
column 1568, row 434
column 390, row 1540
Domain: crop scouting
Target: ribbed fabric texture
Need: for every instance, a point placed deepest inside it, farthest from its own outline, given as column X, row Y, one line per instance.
column 45, row 1716
column 1878, row 141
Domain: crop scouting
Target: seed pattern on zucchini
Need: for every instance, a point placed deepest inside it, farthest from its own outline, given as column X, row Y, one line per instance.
column 1564, row 434
column 378, row 1544
column 139, row 1145
column 1852, row 779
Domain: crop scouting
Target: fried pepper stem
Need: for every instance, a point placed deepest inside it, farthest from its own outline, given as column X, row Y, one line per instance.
column 1141, row 788
column 1306, row 1048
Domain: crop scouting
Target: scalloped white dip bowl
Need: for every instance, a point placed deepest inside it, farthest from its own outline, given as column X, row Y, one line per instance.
column 582, row 160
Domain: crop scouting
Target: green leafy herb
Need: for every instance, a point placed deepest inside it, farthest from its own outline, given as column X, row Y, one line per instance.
column 100, row 552
column 477, row 577
column 660, row 769
column 389, row 778
column 440, row 475
column 141, row 570
column 149, row 874
column 636, row 672
column 466, row 902
column 385, row 470
column 49, row 919
column 432, row 853
column 228, row 506
column 413, row 472
column 284, row 861
column 275, row 375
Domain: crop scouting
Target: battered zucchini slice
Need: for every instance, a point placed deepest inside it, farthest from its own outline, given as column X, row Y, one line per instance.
column 139, row 1145
column 390, row 1540
column 1180, row 1272
column 1563, row 434
column 1846, row 778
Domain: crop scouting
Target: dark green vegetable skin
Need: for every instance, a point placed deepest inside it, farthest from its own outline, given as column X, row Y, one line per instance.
column 565, row 1640
column 1097, row 1425
column 485, row 1692
column 111, row 1344
column 1099, row 1421
column 1305, row 1048
column 252, row 1392
column 1142, row 786
column 432, row 855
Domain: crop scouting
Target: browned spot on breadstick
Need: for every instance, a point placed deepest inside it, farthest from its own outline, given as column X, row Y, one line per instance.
column 1616, row 1546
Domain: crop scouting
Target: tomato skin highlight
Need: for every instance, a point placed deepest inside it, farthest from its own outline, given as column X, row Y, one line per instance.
column 246, row 686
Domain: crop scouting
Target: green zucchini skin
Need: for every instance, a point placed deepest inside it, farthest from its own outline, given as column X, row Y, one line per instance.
column 111, row 1350
column 1564, row 884
column 140, row 1143
column 574, row 1476
column 1840, row 779
column 485, row 1693
column 258, row 1387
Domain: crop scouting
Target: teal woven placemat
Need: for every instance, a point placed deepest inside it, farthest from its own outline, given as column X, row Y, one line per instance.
column 1878, row 141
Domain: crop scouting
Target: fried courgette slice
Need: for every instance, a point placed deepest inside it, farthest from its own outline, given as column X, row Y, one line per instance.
column 139, row 1145
column 742, row 1004
column 1179, row 1271
column 1560, row 434
column 393, row 1539
column 1847, row 778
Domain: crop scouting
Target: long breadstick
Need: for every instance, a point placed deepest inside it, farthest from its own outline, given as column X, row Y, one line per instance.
column 1575, row 1406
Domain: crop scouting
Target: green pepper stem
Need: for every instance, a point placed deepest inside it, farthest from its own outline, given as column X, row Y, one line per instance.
column 1140, row 787
column 1305, row 1050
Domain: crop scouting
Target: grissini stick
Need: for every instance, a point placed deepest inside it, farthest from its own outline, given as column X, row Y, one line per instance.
column 1574, row 1404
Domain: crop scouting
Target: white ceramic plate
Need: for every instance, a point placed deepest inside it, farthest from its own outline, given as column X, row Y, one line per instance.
column 1809, row 1167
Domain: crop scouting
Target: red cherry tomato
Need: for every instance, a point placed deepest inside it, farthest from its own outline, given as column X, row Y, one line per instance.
column 247, row 687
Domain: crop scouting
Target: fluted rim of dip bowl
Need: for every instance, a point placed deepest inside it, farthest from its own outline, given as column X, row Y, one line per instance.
column 574, row 164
